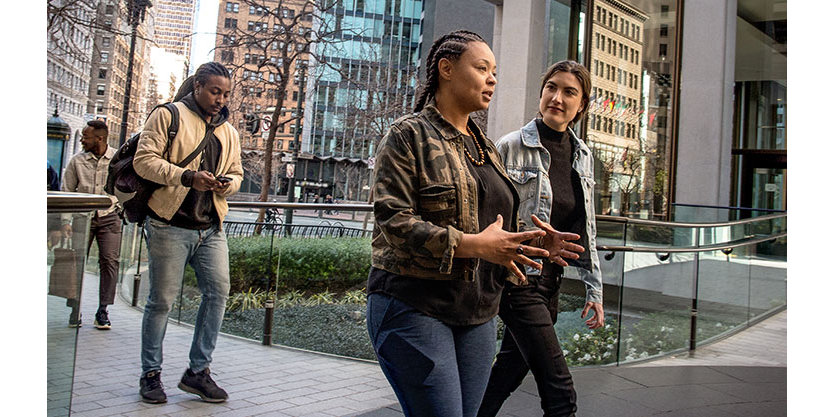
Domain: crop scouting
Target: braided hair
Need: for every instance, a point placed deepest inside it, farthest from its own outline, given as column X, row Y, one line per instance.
column 203, row 73
column 451, row 47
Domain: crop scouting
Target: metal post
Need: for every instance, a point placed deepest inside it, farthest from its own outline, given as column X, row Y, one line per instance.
column 137, row 14
column 269, row 305
column 137, row 277
column 693, row 315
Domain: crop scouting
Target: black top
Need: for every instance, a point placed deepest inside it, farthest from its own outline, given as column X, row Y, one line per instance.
column 458, row 302
column 567, row 212
column 197, row 211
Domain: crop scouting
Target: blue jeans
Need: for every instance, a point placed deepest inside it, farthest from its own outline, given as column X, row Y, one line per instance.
column 435, row 369
column 169, row 249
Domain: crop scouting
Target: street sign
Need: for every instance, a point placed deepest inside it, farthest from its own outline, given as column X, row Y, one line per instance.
column 290, row 170
column 288, row 158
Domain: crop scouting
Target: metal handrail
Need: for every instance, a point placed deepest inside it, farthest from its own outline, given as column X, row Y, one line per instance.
column 66, row 202
column 708, row 248
column 618, row 219
column 300, row 206
column 729, row 208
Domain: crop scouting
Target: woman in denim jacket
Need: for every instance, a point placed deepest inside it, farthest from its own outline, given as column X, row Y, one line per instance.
column 444, row 238
column 552, row 170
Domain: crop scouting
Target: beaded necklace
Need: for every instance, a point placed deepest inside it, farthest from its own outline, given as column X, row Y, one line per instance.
column 481, row 157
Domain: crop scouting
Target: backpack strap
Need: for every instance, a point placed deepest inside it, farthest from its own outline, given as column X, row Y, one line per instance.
column 172, row 128
column 200, row 147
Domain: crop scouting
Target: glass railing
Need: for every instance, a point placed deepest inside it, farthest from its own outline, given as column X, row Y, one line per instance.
column 300, row 283
column 68, row 224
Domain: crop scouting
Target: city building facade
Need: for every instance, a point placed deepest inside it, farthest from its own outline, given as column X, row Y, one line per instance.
column 108, row 69
column 366, row 75
column 68, row 55
column 254, row 40
column 174, row 25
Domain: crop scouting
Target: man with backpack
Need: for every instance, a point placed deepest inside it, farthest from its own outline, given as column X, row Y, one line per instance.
column 86, row 173
column 184, row 223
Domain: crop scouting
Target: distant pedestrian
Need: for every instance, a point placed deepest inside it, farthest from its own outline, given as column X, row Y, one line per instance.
column 86, row 173
column 184, row 225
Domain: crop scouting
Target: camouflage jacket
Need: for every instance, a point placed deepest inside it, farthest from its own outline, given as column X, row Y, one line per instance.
column 425, row 198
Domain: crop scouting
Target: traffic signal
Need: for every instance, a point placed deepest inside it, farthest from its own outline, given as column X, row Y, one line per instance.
column 253, row 124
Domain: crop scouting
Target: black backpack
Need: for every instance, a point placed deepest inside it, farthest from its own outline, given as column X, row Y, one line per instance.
column 122, row 177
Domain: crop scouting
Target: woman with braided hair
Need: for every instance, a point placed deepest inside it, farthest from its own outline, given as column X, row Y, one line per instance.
column 444, row 238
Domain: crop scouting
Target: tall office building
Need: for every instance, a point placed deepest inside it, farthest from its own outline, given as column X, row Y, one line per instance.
column 254, row 42
column 174, row 25
column 108, row 72
column 68, row 53
column 367, row 77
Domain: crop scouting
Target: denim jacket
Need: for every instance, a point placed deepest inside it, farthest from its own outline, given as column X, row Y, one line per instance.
column 425, row 198
column 527, row 163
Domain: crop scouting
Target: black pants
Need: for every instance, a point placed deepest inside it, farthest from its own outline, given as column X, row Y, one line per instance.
column 530, row 343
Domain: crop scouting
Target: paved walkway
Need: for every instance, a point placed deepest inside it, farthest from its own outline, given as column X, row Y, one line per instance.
column 739, row 376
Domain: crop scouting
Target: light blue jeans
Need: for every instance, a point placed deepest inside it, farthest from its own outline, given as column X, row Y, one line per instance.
column 169, row 249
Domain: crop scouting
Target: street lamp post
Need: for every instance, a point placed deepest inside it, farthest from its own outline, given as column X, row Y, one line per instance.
column 136, row 14
column 296, row 146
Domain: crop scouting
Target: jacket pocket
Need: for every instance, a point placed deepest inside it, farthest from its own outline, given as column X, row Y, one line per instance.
column 525, row 181
column 438, row 204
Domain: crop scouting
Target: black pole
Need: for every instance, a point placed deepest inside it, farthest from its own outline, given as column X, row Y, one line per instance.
column 693, row 315
column 269, row 304
column 137, row 14
column 137, row 277
column 296, row 146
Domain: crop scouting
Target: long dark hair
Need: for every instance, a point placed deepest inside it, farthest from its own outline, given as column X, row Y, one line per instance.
column 450, row 46
column 209, row 69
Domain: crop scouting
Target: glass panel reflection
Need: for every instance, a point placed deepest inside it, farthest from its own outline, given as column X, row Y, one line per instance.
column 632, row 54
column 656, row 301
column 65, row 268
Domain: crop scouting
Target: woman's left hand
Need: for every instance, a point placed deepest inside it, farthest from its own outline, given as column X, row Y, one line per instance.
column 557, row 243
column 598, row 319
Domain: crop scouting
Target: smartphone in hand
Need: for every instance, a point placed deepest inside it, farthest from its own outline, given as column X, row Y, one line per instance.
column 223, row 179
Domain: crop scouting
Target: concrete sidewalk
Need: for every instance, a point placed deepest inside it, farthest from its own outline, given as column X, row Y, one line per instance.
column 261, row 380
column 276, row 381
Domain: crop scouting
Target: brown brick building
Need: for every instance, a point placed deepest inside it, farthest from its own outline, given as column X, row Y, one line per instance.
column 253, row 43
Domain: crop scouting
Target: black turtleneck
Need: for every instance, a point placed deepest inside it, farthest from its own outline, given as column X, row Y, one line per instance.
column 567, row 212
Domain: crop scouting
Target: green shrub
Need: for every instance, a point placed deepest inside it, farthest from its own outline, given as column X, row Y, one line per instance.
column 304, row 263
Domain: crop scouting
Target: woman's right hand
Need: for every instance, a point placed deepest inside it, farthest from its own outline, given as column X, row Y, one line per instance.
column 501, row 247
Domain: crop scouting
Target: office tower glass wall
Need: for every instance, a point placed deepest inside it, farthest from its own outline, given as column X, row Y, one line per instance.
column 365, row 79
column 760, row 100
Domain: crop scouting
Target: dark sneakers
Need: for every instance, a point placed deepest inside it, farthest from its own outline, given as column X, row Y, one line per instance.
column 150, row 388
column 74, row 321
column 200, row 383
column 102, row 322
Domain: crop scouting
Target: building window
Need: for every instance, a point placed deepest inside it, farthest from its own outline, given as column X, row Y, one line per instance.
column 105, row 57
column 105, row 42
column 664, row 11
column 102, row 73
column 664, row 30
column 230, row 23
column 100, row 90
column 662, row 49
